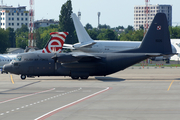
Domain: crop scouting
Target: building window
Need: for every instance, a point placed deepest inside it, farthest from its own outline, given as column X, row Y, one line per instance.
column 18, row 14
column 21, row 14
column 26, row 19
column 12, row 18
column 3, row 13
column 9, row 24
column 21, row 23
column 22, row 19
column 17, row 24
column 9, row 18
column 12, row 13
column 26, row 14
column 12, row 24
column 3, row 18
column 3, row 24
column 17, row 18
column 26, row 24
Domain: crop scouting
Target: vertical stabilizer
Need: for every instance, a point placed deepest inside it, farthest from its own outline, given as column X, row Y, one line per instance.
column 82, row 35
column 157, row 38
column 55, row 43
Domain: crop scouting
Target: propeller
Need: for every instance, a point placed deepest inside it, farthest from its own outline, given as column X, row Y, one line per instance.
column 55, row 58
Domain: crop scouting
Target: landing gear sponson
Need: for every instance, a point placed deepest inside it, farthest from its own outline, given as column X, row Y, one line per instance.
column 23, row 77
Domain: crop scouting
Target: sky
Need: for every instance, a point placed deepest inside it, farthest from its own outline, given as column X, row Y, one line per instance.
column 113, row 12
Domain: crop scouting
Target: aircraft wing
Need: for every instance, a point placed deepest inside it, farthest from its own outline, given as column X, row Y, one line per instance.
column 75, row 57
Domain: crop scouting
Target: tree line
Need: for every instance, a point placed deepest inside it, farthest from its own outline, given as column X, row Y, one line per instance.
column 19, row 38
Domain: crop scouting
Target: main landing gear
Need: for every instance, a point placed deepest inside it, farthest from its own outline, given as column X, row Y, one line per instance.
column 23, row 77
column 85, row 77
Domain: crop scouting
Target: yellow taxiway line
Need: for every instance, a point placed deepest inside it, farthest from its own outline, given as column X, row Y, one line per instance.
column 170, row 85
column 12, row 79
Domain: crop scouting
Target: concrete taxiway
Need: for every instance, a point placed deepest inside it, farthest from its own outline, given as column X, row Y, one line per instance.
column 136, row 93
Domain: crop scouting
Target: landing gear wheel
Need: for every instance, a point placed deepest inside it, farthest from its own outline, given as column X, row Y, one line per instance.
column 86, row 77
column 23, row 77
column 74, row 77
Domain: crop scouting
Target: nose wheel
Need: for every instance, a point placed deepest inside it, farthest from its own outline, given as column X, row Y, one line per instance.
column 23, row 77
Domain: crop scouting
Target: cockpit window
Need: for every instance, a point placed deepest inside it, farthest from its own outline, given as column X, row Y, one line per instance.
column 18, row 58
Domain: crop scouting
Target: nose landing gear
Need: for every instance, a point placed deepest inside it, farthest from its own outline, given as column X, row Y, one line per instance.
column 23, row 77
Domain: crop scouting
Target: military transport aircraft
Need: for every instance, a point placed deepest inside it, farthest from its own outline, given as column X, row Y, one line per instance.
column 82, row 65
column 55, row 44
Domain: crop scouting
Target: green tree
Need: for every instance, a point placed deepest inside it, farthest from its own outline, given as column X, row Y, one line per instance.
column 93, row 33
column 22, row 37
column 132, row 35
column 88, row 26
column 22, row 40
column 107, row 34
column 66, row 23
column 45, row 36
column 4, row 41
column 104, row 26
column 23, row 28
column 174, row 32
column 11, row 34
column 120, row 27
column 38, row 39
column 129, row 28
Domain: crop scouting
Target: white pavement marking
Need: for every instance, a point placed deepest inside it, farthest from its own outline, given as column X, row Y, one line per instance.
column 26, row 96
column 35, row 102
column 68, row 105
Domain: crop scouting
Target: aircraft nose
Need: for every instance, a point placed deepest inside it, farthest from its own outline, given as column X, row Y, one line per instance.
column 7, row 68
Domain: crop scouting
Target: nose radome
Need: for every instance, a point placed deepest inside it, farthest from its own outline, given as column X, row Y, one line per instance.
column 7, row 68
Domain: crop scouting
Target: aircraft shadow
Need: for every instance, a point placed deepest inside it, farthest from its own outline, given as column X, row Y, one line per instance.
column 109, row 79
column 3, row 92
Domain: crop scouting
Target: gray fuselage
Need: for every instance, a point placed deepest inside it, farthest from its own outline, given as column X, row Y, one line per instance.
column 37, row 64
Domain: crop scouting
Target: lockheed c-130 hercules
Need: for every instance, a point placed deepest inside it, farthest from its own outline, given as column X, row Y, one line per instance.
column 82, row 65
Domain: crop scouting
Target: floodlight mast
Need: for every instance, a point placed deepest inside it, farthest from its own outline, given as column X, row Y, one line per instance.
column 98, row 18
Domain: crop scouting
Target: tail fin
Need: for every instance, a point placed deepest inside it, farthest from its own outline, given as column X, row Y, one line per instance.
column 55, row 43
column 81, row 32
column 157, row 38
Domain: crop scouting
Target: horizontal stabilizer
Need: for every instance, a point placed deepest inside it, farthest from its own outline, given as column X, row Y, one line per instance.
column 159, row 54
column 68, row 46
column 85, row 44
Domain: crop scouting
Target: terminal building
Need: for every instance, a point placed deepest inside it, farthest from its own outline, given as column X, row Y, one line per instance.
column 45, row 23
column 13, row 17
column 140, row 14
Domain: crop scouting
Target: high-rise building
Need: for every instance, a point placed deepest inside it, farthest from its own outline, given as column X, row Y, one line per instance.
column 13, row 17
column 140, row 14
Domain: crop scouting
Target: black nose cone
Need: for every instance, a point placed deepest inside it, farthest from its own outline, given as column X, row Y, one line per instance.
column 7, row 68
